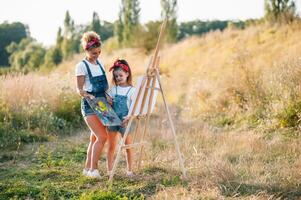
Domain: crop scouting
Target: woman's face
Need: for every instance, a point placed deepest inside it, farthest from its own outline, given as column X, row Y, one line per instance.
column 93, row 53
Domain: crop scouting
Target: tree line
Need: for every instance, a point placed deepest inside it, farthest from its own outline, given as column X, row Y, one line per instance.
column 23, row 53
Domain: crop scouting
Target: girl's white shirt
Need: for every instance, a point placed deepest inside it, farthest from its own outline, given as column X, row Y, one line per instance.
column 81, row 70
column 123, row 91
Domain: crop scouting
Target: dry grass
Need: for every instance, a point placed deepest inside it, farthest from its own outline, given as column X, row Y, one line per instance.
column 237, row 73
column 231, row 165
column 24, row 90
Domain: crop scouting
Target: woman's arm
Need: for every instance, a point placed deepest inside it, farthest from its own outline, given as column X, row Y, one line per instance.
column 80, row 80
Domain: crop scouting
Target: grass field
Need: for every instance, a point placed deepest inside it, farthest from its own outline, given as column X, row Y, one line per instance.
column 235, row 100
column 220, row 165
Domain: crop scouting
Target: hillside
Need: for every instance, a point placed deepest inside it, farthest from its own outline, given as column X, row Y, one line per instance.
column 227, row 73
column 235, row 100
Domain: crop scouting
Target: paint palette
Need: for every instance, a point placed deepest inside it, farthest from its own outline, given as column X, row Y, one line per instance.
column 104, row 111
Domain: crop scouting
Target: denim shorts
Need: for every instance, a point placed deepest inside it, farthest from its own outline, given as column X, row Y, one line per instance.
column 86, row 109
column 120, row 129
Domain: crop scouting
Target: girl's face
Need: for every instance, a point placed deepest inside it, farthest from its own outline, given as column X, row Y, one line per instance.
column 93, row 53
column 120, row 77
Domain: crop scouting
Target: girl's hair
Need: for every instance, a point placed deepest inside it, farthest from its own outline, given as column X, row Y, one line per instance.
column 124, row 66
column 90, row 40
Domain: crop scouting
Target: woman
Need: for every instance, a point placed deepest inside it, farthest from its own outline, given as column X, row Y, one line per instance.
column 91, row 83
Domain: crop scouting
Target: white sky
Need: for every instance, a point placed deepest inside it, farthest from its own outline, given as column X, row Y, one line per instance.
column 45, row 16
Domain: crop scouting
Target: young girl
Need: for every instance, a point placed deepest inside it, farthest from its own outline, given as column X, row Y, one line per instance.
column 122, row 97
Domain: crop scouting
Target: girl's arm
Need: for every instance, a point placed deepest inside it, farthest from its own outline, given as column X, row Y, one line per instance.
column 80, row 80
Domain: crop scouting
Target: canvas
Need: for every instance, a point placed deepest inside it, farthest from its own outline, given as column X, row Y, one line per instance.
column 104, row 111
column 139, row 101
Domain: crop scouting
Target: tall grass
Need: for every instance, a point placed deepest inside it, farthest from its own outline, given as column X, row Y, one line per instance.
column 245, row 77
column 235, row 78
column 35, row 107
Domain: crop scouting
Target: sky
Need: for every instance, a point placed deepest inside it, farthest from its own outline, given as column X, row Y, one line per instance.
column 44, row 17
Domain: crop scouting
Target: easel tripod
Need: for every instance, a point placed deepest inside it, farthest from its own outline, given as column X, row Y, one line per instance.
column 144, row 100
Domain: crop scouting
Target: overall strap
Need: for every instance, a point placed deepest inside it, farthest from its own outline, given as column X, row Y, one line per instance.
column 116, row 89
column 128, row 91
column 103, row 71
column 127, row 95
column 88, row 69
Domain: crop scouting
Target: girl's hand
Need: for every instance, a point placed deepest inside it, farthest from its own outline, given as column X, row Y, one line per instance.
column 110, row 100
column 125, row 121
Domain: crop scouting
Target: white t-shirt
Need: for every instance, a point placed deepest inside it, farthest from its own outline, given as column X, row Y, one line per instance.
column 81, row 70
column 123, row 91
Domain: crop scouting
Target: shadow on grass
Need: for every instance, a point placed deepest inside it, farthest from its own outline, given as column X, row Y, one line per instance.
column 235, row 189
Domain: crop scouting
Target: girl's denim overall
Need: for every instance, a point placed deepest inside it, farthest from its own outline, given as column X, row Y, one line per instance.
column 121, row 109
column 99, row 86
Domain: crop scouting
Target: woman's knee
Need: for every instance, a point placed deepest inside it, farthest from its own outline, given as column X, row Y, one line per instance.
column 92, row 137
column 102, row 140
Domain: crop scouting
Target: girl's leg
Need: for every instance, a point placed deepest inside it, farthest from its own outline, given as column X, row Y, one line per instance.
column 129, row 154
column 100, row 133
column 89, row 151
column 111, row 150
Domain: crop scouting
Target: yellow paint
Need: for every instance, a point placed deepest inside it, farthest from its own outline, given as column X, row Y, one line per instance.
column 102, row 106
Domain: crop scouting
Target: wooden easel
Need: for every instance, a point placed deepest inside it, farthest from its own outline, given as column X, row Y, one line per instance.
column 149, row 82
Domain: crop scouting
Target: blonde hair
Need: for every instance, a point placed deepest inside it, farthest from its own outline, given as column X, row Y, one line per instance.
column 88, row 36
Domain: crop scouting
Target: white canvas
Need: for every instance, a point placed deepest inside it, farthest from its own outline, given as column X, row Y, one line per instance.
column 137, row 86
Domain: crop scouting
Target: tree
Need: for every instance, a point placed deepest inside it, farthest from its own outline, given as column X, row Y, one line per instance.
column 13, row 32
column 128, row 21
column 53, row 57
column 198, row 27
column 95, row 25
column 107, row 30
column 280, row 10
column 103, row 28
column 118, row 27
column 68, row 25
column 70, row 42
column 169, row 12
column 150, row 34
column 59, row 37
column 27, row 55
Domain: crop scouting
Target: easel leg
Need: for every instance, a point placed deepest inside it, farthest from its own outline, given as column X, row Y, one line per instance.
column 141, row 148
column 172, row 128
column 153, row 83
column 137, row 128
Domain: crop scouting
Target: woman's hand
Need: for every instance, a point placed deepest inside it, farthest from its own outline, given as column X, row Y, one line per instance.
column 79, row 88
column 90, row 96
column 86, row 95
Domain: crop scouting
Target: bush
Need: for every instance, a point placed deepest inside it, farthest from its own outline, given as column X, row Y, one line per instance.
column 37, row 122
column 291, row 116
column 68, row 109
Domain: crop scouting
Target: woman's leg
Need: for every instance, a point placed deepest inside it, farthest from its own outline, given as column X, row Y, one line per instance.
column 111, row 149
column 89, row 150
column 100, row 133
column 129, row 153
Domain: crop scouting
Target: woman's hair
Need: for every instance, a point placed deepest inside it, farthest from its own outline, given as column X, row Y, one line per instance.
column 90, row 40
column 121, row 64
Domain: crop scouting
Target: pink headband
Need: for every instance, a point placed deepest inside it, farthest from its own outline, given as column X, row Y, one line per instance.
column 92, row 42
column 117, row 64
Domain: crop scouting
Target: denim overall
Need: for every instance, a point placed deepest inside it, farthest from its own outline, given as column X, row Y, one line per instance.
column 121, row 109
column 99, row 86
